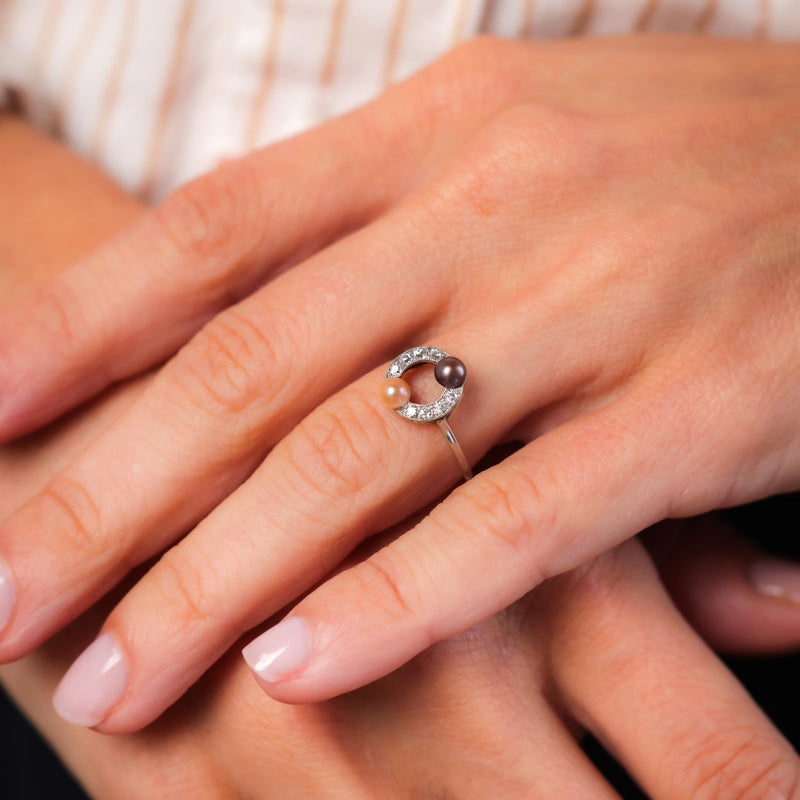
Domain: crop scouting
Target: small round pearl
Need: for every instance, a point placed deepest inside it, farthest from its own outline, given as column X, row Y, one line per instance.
column 395, row 392
column 450, row 372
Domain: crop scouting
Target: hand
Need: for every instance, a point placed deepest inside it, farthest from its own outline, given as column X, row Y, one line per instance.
column 490, row 701
column 492, row 712
column 226, row 739
column 540, row 211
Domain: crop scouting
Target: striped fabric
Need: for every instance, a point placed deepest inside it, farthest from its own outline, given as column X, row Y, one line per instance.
column 157, row 91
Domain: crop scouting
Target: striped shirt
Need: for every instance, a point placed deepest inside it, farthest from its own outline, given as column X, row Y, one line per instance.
column 157, row 91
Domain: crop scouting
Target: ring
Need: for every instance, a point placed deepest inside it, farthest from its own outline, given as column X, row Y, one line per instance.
column 449, row 372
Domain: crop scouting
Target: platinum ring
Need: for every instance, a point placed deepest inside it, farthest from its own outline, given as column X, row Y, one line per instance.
column 450, row 373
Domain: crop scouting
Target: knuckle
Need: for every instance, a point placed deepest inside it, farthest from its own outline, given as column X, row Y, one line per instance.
column 390, row 587
column 510, row 511
column 526, row 154
column 472, row 80
column 63, row 315
column 474, row 69
column 498, row 515
column 229, row 365
column 71, row 510
column 196, row 219
column 471, row 53
column 184, row 588
column 203, row 217
column 738, row 765
column 337, row 450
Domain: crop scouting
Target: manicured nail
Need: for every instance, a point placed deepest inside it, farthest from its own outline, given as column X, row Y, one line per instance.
column 94, row 684
column 7, row 594
column 776, row 578
column 281, row 652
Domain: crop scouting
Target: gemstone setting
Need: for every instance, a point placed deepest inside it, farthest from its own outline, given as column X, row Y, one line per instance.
column 440, row 408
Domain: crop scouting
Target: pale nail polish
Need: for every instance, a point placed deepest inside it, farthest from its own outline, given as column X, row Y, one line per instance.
column 776, row 578
column 7, row 594
column 94, row 684
column 281, row 652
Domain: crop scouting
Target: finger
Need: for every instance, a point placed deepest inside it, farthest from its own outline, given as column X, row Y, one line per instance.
column 736, row 597
column 154, row 285
column 239, row 385
column 69, row 207
column 350, row 469
column 634, row 673
column 106, row 526
column 206, row 420
column 135, row 301
column 225, row 400
column 215, row 410
column 563, row 498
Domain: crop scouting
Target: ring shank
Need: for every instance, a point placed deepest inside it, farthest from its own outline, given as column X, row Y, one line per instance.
column 444, row 425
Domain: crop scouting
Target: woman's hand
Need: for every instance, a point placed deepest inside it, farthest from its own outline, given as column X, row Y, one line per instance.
column 489, row 713
column 605, row 231
column 493, row 712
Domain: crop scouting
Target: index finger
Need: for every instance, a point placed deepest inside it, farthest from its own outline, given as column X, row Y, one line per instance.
column 136, row 300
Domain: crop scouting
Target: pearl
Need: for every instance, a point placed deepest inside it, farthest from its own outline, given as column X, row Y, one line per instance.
column 450, row 372
column 395, row 392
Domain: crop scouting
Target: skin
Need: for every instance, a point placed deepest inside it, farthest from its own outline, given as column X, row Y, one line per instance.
column 492, row 712
column 630, row 252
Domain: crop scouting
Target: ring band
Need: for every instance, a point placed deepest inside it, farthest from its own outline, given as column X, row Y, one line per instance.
column 450, row 373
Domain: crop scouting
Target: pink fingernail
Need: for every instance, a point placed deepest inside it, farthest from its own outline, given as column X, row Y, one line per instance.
column 94, row 684
column 776, row 578
column 7, row 594
column 281, row 652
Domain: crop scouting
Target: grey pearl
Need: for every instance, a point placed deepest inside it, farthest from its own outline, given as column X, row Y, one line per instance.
column 450, row 372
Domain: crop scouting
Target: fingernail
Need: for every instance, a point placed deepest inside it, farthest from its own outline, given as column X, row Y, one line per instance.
column 94, row 684
column 776, row 578
column 281, row 652
column 7, row 594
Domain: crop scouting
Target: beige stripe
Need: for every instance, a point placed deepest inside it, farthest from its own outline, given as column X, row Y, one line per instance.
column 8, row 96
column 528, row 19
column 6, row 14
column 267, row 76
column 114, row 79
column 583, row 18
column 461, row 21
column 395, row 35
column 67, row 84
column 334, row 41
column 646, row 17
column 706, row 16
column 486, row 21
column 764, row 14
column 167, row 99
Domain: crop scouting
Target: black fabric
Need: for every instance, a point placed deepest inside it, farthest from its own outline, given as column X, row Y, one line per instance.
column 28, row 768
